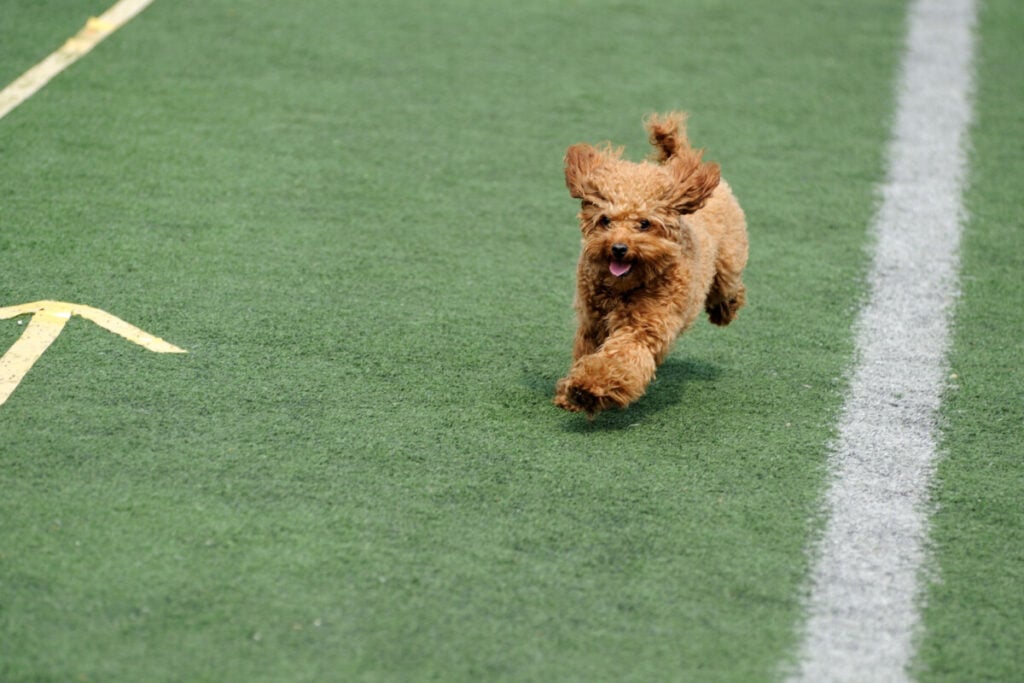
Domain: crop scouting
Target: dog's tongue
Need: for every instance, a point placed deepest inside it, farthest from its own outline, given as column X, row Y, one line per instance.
column 619, row 268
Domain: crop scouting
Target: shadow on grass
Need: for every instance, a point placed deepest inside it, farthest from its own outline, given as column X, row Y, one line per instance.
column 668, row 389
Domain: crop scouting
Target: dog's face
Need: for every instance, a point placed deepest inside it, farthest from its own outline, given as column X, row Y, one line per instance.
column 630, row 215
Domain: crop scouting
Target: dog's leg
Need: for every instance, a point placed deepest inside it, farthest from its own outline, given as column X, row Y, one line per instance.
column 588, row 340
column 728, row 294
column 615, row 375
column 725, row 299
column 725, row 217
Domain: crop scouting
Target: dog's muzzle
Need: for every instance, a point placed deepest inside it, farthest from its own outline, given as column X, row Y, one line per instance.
column 618, row 267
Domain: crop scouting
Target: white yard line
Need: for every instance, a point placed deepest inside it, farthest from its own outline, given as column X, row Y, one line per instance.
column 865, row 592
column 95, row 30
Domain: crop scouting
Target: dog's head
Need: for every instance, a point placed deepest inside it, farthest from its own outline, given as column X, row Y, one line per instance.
column 630, row 216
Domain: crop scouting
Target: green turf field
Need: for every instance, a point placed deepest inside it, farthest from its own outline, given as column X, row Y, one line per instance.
column 353, row 217
column 974, row 611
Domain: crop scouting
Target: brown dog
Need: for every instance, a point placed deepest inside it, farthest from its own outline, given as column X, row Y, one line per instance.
column 662, row 241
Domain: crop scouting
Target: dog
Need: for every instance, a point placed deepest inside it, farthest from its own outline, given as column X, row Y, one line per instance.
column 662, row 240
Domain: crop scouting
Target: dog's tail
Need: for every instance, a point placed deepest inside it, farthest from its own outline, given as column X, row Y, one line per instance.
column 667, row 134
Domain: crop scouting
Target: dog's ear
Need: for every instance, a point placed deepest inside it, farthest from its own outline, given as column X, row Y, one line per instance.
column 667, row 134
column 692, row 181
column 580, row 162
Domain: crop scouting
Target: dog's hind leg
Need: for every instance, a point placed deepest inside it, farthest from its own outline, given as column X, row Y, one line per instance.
column 728, row 294
column 726, row 298
column 723, row 218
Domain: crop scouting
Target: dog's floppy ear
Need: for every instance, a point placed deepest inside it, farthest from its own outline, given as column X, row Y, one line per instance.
column 692, row 182
column 580, row 162
column 667, row 134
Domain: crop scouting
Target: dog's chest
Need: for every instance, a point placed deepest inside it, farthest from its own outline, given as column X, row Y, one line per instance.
column 618, row 307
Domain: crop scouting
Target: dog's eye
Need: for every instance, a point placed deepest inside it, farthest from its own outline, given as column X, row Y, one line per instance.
column 604, row 221
column 643, row 225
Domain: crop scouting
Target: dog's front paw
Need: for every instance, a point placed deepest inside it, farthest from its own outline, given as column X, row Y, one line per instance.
column 572, row 397
column 575, row 396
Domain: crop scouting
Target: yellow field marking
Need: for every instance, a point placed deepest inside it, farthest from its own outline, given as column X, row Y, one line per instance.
column 94, row 31
column 48, row 319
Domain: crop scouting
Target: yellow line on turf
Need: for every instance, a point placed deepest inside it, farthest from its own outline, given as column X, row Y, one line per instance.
column 94, row 31
column 42, row 330
column 48, row 319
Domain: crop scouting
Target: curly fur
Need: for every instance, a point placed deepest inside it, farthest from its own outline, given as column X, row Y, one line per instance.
column 662, row 240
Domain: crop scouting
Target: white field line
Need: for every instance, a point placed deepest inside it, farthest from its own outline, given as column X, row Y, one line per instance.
column 863, row 608
column 95, row 30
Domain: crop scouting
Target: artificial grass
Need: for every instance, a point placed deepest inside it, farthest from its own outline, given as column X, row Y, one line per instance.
column 973, row 628
column 353, row 217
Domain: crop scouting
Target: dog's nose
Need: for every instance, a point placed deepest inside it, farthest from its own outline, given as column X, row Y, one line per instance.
column 619, row 250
